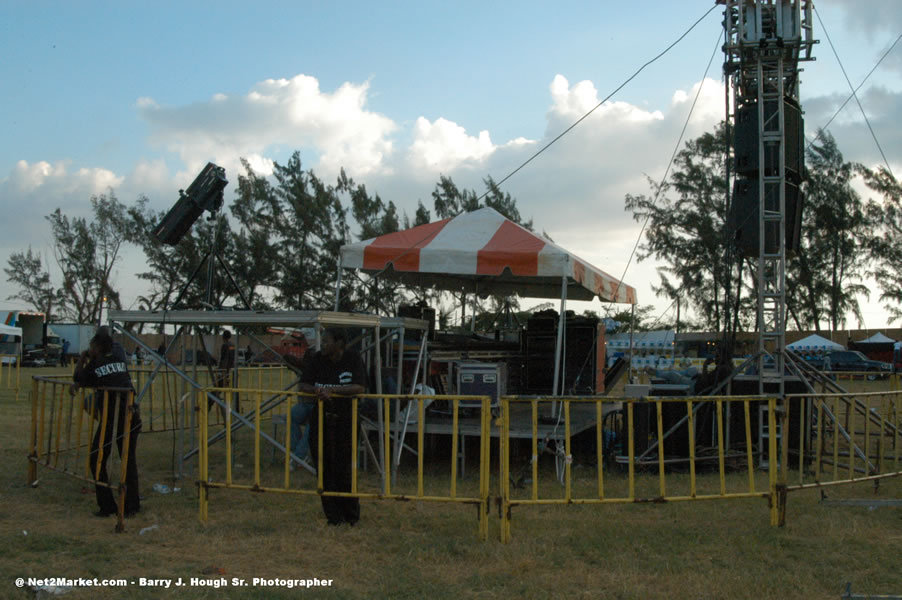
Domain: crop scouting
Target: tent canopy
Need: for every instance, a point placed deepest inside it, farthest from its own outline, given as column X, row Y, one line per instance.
column 7, row 330
column 815, row 342
column 484, row 253
column 877, row 338
column 645, row 340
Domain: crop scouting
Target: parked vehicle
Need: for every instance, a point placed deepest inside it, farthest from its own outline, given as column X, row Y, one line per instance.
column 40, row 345
column 856, row 362
column 77, row 334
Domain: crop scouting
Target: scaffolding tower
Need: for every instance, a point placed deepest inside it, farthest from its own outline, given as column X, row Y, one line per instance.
column 765, row 42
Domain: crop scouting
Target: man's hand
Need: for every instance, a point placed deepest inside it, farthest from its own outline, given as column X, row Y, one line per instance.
column 73, row 389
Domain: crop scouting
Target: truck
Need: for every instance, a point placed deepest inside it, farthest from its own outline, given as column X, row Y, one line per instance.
column 40, row 346
column 77, row 334
column 854, row 361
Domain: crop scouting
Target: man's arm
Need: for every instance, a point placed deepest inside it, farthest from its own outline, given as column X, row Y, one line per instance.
column 83, row 375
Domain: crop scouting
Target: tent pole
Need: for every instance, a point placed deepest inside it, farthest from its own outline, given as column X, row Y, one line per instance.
column 632, row 327
column 338, row 284
column 560, row 340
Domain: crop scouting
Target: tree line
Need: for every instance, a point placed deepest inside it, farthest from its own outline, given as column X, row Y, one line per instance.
column 844, row 240
column 279, row 238
column 282, row 235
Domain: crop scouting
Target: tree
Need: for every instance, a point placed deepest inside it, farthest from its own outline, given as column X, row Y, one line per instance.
column 687, row 229
column 503, row 203
column 171, row 266
column 824, row 278
column 886, row 245
column 449, row 201
column 26, row 269
column 254, row 260
column 86, row 253
column 310, row 227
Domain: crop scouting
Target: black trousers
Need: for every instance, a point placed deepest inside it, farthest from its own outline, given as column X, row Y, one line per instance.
column 337, row 457
column 115, row 421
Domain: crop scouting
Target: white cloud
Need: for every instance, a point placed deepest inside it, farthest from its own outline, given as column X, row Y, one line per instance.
column 868, row 16
column 45, row 180
column 572, row 103
column 443, row 146
column 574, row 190
column 292, row 113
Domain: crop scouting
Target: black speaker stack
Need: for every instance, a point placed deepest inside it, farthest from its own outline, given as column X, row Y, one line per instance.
column 743, row 218
column 578, row 360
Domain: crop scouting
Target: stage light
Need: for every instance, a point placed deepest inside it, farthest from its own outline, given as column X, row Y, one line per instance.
column 204, row 193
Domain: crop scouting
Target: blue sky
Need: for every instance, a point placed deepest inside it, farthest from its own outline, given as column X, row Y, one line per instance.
column 138, row 96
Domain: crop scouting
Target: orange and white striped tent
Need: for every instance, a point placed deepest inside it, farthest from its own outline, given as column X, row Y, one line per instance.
column 484, row 253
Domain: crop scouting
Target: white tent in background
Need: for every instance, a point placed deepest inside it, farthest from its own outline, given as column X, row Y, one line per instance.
column 642, row 340
column 814, row 342
column 9, row 345
column 877, row 338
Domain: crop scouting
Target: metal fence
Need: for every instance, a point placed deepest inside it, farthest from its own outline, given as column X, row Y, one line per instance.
column 650, row 450
column 217, row 465
column 839, row 439
column 163, row 394
column 9, row 372
column 62, row 426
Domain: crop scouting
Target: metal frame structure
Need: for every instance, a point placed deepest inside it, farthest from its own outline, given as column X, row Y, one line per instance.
column 185, row 320
column 765, row 41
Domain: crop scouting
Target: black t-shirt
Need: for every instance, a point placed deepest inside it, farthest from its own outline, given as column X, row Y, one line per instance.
column 107, row 371
column 227, row 355
column 321, row 371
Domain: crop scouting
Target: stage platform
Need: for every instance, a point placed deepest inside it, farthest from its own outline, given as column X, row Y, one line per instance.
column 549, row 427
column 582, row 417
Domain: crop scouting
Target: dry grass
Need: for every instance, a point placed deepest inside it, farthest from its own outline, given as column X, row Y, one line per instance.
column 415, row 550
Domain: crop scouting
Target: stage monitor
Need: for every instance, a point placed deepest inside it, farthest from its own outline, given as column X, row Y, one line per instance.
column 204, row 193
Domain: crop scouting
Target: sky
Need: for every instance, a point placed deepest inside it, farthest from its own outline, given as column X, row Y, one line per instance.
column 138, row 97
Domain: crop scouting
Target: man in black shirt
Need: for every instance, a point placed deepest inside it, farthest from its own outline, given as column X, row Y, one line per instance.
column 333, row 374
column 224, row 372
column 100, row 367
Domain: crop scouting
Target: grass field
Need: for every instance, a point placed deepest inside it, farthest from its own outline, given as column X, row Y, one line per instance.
column 697, row 550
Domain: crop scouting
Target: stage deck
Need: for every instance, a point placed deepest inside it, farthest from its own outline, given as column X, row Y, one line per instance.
column 582, row 417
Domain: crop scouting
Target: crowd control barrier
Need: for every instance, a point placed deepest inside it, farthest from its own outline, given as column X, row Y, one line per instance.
column 245, row 434
column 9, row 372
column 163, row 394
column 848, row 438
column 803, row 442
column 683, row 413
column 631, row 450
column 62, row 429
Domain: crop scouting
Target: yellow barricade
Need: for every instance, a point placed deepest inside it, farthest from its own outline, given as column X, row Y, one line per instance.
column 848, row 438
column 9, row 372
column 863, row 381
column 600, row 491
column 165, row 390
column 62, row 428
column 217, row 466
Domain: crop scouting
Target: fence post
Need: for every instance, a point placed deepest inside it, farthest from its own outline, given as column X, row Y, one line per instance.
column 772, row 460
column 202, row 461
column 33, row 446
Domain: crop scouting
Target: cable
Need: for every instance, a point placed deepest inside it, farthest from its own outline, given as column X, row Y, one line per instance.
column 669, row 164
column 860, row 107
column 839, row 110
column 558, row 137
column 597, row 106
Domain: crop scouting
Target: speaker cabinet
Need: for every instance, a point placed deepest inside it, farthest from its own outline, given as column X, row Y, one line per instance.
column 745, row 141
column 743, row 218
